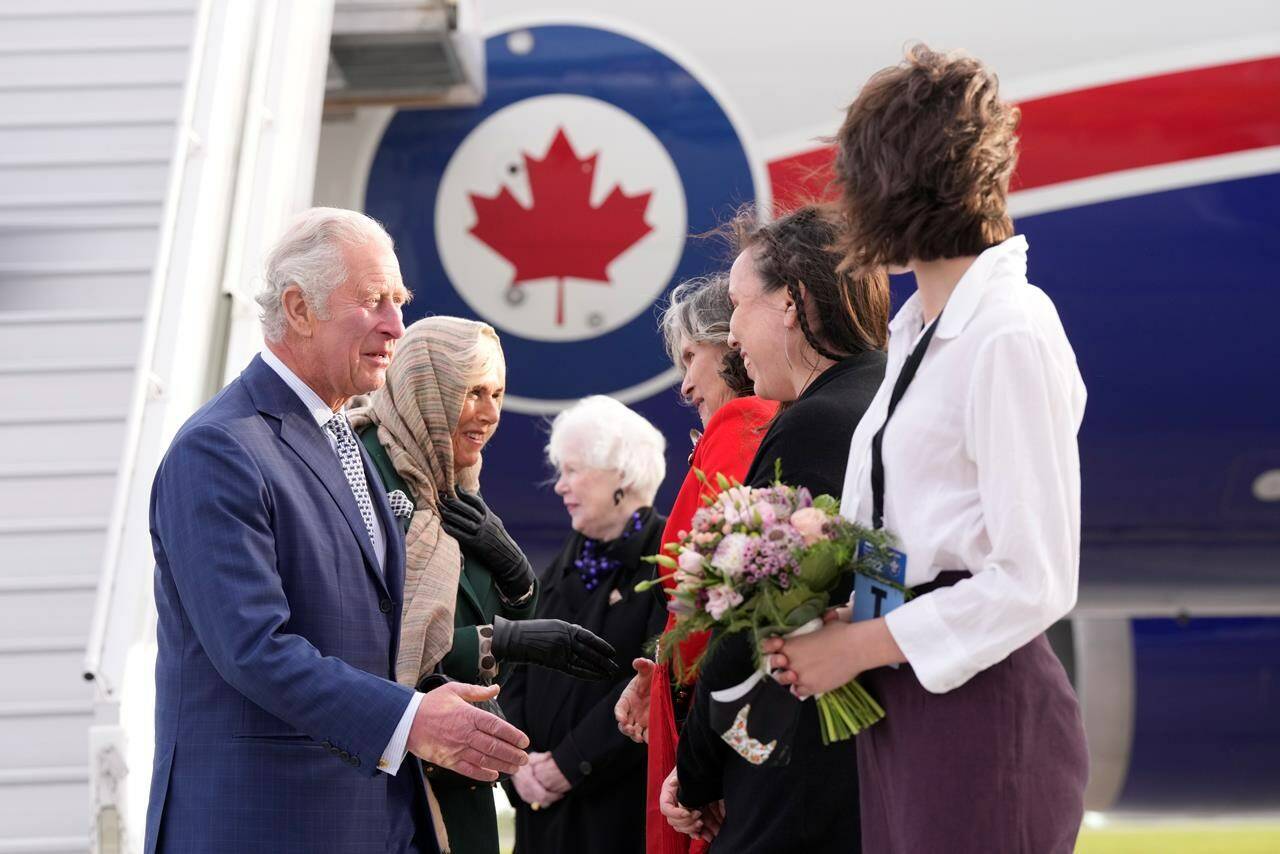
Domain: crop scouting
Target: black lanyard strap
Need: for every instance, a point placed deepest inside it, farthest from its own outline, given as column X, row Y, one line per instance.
column 909, row 369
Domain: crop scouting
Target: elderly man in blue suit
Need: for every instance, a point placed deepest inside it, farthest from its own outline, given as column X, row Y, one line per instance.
column 279, row 575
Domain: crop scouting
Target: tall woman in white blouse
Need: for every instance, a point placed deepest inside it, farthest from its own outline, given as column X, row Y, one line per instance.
column 975, row 471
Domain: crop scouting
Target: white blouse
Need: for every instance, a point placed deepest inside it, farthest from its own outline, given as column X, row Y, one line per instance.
column 982, row 471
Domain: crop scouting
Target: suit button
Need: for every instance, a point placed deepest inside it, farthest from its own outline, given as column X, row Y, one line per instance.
column 385, row 606
column 584, row 767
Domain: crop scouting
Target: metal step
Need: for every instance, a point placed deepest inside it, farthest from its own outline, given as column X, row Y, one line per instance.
column 117, row 243
column 33, row 675
column 44, row 802
column 34, row 734
column 45, row 845
column 65, row 387
column 33, row 336
column 55, row 286
column 53, row 620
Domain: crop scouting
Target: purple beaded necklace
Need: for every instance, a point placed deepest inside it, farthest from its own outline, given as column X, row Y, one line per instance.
column 592, row 565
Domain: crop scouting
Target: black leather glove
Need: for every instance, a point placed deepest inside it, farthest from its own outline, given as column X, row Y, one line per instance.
column 469, row 521
column 555, row 644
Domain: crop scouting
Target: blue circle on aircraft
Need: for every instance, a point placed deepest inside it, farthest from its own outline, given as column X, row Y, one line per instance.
column 712, row 166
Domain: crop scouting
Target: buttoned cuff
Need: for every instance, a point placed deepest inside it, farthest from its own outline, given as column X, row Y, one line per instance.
column 398, row 746
column 934, row 652
column 572, row 764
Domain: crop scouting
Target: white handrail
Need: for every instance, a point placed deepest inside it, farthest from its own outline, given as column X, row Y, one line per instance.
column 205, row 151
column 244, row 162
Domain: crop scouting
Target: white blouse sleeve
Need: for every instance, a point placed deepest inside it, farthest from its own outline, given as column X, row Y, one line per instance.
column 1024, row 408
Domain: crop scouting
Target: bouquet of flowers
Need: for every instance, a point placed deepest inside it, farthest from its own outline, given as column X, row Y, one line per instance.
column 767, row 560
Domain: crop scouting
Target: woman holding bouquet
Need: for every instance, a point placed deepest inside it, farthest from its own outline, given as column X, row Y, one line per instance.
column 811, row 337
column 968, row 455
column 695, row 328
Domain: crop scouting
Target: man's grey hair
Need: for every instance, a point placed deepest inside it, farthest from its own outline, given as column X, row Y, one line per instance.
column 698, row 312
column 310, row 255
column 602, row 433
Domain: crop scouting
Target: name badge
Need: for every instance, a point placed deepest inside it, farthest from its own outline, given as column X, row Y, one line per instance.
column 871, row 598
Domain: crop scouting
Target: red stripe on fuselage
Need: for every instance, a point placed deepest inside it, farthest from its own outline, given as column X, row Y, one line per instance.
column 1144, row 122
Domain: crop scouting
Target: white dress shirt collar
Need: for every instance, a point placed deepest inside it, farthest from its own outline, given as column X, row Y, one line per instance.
column 322, row 414
column 1003, row 264
column 319, row 410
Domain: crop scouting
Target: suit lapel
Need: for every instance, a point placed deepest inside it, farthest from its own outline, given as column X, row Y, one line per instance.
column 300, row 432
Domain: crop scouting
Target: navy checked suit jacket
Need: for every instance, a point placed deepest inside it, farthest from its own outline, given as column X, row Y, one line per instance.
column 275, row 691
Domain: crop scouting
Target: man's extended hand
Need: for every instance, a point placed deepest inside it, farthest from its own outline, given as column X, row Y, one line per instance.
column 632, row 708
column 450, row 732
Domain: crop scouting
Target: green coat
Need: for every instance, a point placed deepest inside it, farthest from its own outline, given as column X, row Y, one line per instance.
column 467, row 805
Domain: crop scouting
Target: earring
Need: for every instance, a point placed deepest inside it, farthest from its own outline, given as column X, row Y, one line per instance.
column 617, row 497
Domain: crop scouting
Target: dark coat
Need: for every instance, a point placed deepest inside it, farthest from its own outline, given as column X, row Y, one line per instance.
column 573, row 719
column 467, row 806
column 810, row 804
column 275, row 694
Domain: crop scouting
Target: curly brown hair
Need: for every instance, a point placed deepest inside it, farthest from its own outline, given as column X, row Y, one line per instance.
column 923, row 162
column 840, row 312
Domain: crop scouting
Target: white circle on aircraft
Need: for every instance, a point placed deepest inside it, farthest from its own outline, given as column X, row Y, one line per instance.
column 560, row 218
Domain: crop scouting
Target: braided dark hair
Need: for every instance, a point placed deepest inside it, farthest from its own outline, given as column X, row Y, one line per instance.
column 841, row 313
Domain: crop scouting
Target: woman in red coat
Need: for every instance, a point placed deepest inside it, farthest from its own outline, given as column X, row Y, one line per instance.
column 696, row 328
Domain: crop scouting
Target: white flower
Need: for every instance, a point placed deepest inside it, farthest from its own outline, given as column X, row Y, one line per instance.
column 764, row 510
column 720, row 599
column 729, row 554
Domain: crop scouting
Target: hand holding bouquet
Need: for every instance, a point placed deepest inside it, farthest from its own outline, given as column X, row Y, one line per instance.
column 767, row 560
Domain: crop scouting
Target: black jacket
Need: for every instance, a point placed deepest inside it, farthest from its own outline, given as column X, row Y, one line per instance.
column 573, row 719
column 810, row 804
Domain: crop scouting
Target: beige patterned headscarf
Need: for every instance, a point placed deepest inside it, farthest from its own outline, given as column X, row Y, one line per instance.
column 416, row 412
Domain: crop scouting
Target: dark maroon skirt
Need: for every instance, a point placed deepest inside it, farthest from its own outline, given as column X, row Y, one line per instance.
column 997, row 766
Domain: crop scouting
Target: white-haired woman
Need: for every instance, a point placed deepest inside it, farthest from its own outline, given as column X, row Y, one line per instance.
column 583, row 789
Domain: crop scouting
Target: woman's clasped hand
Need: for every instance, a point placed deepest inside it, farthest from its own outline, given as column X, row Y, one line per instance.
column 702, row 824
column 540, row 783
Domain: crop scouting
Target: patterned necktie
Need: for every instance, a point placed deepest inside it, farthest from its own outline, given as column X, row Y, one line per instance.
column 349, row 454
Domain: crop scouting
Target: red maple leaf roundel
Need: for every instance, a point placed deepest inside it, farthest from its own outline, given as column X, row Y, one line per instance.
column 561, row 236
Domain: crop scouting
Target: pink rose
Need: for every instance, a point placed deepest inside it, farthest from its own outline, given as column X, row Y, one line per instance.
column 809, row 522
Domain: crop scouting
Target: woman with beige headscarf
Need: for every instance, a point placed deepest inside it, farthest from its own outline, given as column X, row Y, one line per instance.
column 469, row 590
